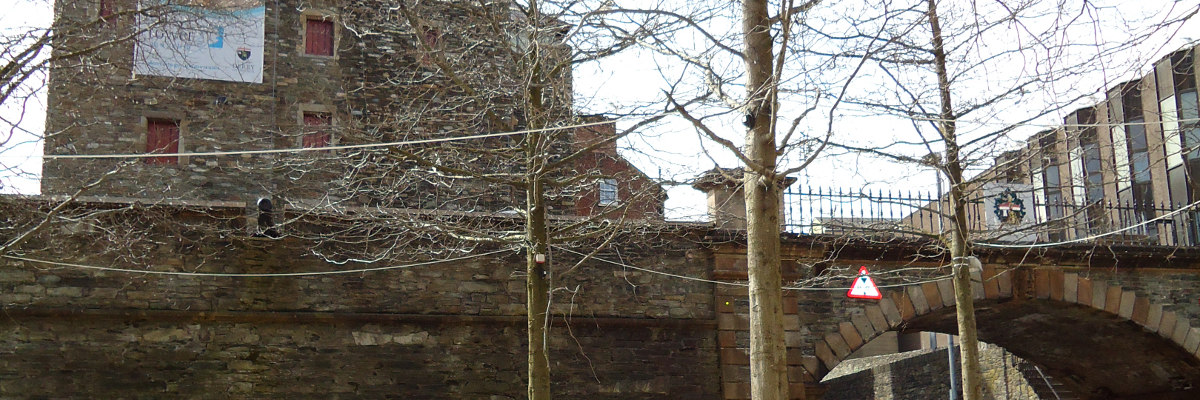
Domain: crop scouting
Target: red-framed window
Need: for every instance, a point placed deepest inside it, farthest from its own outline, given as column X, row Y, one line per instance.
column 107, row 10
column 432, row 37
column 317, row 128
column 318, row 36
column 162, row 136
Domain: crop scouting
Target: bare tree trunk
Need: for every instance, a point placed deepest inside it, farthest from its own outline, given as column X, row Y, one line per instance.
column 768, row 351
column 537, row 288
column 959, row 246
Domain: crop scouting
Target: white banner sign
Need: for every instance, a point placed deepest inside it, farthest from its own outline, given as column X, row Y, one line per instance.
column 203, row 39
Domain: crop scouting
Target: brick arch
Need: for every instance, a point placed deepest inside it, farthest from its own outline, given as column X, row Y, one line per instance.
column 901, row 305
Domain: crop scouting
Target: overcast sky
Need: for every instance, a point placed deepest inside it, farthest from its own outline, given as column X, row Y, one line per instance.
column 680, row 153
column 674, row 150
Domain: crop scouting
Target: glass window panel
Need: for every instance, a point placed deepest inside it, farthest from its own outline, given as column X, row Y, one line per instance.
column 1137, row 135
column 1052, row 177
column 1189, row 126
column 1143, row 193
column 1141, row 167
column 1095, row 191
column 1091, row 158
column 1187, row 105
column 1054, row 203
column 1177, row 181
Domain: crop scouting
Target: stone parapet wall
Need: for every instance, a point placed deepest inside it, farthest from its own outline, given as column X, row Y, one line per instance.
column 454, row 330
column 490, row 285
column 659, row 312
column 198, row 356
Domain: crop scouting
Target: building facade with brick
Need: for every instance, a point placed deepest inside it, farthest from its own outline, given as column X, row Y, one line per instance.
column 1117, row 164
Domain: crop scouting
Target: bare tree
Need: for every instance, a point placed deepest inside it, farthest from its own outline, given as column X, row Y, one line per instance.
column 526, row 172
column 74, row 39
column 481, row 95
column 754, row 48
column 943, row 66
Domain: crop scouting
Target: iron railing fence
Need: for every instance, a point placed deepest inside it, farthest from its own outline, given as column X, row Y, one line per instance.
column 898, row 214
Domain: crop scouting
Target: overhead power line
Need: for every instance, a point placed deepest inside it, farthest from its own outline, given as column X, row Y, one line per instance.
column 250, row 275
column 1092, row 237
column 692, row 278
column 1050, row 125
column 412, row 265
column 310, row 149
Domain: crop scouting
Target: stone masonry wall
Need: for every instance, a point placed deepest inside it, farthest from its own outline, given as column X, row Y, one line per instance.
column 98, row 357
column 379, row 85
column 491, row 285
column 451, row 330
column 924, row 374
column 97, row 105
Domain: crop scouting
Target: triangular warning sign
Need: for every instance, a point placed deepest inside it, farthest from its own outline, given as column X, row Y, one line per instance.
column 864, row 287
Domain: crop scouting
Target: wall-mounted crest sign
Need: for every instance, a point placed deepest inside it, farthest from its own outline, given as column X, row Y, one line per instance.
column 1009, row 208
column 1007, row 211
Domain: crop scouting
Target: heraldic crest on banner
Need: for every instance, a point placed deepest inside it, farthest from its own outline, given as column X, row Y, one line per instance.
column 1009, row 208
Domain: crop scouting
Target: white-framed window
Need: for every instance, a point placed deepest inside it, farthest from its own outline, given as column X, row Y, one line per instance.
column 608, row 192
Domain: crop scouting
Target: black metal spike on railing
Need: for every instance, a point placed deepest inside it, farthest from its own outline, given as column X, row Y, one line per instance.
column 1050, row 219
column 820, row 205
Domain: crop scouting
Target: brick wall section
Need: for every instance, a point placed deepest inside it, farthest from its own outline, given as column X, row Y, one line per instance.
column 903, row 376
column 1003, row 373
column 100, row 108
column 833, row 325
column 675, row 318
column 1155, row 293
column 1161, row 300
column 644, row 198
column 1145, row 291
column 1129, row 294
column 733, row 324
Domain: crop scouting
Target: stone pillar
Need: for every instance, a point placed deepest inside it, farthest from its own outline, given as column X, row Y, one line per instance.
column 733, row 324
column 726, row 201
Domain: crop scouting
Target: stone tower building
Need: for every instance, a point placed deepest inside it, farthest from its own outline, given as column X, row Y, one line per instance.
column 266, row 77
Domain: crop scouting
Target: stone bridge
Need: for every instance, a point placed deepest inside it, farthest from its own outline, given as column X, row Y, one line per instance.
column 1106, row 321
column 1109, row 321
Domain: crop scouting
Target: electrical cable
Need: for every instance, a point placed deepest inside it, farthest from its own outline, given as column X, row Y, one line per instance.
column 424, row 263
column 250, row 275
column 439, row 140
column 309, row 149
column 691, row 278
column 1059, row 125
column 1087, row 238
